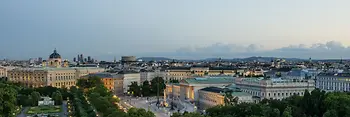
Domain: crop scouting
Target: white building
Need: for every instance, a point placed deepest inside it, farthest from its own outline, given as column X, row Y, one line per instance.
column 275, row 88
column 333, row 82
column 128, row 78
column 147, row 75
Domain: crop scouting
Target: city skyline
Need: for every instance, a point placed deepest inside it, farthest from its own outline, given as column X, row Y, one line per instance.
column 184, row 30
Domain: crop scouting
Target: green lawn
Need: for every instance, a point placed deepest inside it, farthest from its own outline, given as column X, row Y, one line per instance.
column 44, row 109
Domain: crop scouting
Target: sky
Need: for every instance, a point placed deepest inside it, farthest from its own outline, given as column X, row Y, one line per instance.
column 185, row 29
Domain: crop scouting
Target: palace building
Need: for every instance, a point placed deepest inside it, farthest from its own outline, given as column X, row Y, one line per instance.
column 52, row 73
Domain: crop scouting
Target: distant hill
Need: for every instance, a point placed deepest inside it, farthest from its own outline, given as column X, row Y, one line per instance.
column 254, row 58
column 154, row 59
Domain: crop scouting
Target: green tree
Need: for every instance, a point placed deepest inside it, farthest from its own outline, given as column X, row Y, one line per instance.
column 330, row 113
column 339, row 102
column 287, row 112
column 157, row 82
column 57, row 97
column 134, row 89
column 35, row 98
column 136, row 112
column 229, row 99
column 146, row 89
column 8, row 100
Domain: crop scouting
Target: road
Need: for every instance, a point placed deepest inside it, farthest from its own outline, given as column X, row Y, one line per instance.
column 22, row 114
column 142, row 103
column 159, row 112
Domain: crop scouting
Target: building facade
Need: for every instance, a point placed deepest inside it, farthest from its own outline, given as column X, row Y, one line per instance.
column 274, row 88
column 188, row 89
column 333, row 82
column 3, row 70
column 55, row 77
column 128, row 78
column 178, row 73
column 213, row 96
column 147, row 75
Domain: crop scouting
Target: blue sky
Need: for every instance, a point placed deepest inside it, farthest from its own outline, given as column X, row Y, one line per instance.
column 180, row 29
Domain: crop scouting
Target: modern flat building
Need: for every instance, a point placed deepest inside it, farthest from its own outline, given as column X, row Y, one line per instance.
column 56, row 77
column 213, row 96
column 274, row 88
column 333, row 82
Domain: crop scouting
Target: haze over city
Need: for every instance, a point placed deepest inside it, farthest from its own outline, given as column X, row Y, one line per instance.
column 175, row 29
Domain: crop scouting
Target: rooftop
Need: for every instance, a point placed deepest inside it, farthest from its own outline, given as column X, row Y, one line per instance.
column 102, row 75
column 335, row 74
column 221, row 90
column 210, row 80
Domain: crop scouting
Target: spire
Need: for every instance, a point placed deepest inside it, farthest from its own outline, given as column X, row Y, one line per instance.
column 55, row 51
column 341, row 59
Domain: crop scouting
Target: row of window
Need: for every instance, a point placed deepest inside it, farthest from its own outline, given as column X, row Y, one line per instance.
column 64, row 77
column 333, row 78
column 278, row 94
column 28, row 79
column 59, row 84
column 339, row 86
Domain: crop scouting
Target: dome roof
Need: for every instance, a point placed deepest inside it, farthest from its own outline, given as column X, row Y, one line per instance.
column 55, row 55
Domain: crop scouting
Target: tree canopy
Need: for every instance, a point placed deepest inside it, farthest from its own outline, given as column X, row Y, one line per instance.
column 317, row 103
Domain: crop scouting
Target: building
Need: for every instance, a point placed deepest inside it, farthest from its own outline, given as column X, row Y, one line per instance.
column 54, row 60
column 274, row 88
column 128, row 59
column 333, row 82
column 111, row 81
column 128, row 78
column 177, row 73
column 3, row 70
column 228, row 71
column 147, row 75
column 48, row 76
column 189, row 87
column 52, row 73
column 296, row 74
column 213, row 96
column 199, row 71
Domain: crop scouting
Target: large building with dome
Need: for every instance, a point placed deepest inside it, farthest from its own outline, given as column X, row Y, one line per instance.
column 55, row 60
column 53, row 72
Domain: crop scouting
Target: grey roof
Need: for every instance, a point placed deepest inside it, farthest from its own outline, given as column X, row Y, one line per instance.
column 335, row 74
column 295, row 73
column 213, row 89
column 102, row 75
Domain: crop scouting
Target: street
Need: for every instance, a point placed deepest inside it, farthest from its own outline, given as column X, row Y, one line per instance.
column 151, row 106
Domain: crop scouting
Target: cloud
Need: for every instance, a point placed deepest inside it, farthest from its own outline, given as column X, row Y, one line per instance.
column 331, row 49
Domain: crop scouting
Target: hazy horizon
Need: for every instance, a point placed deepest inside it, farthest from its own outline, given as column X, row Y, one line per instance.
column 175, row 29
